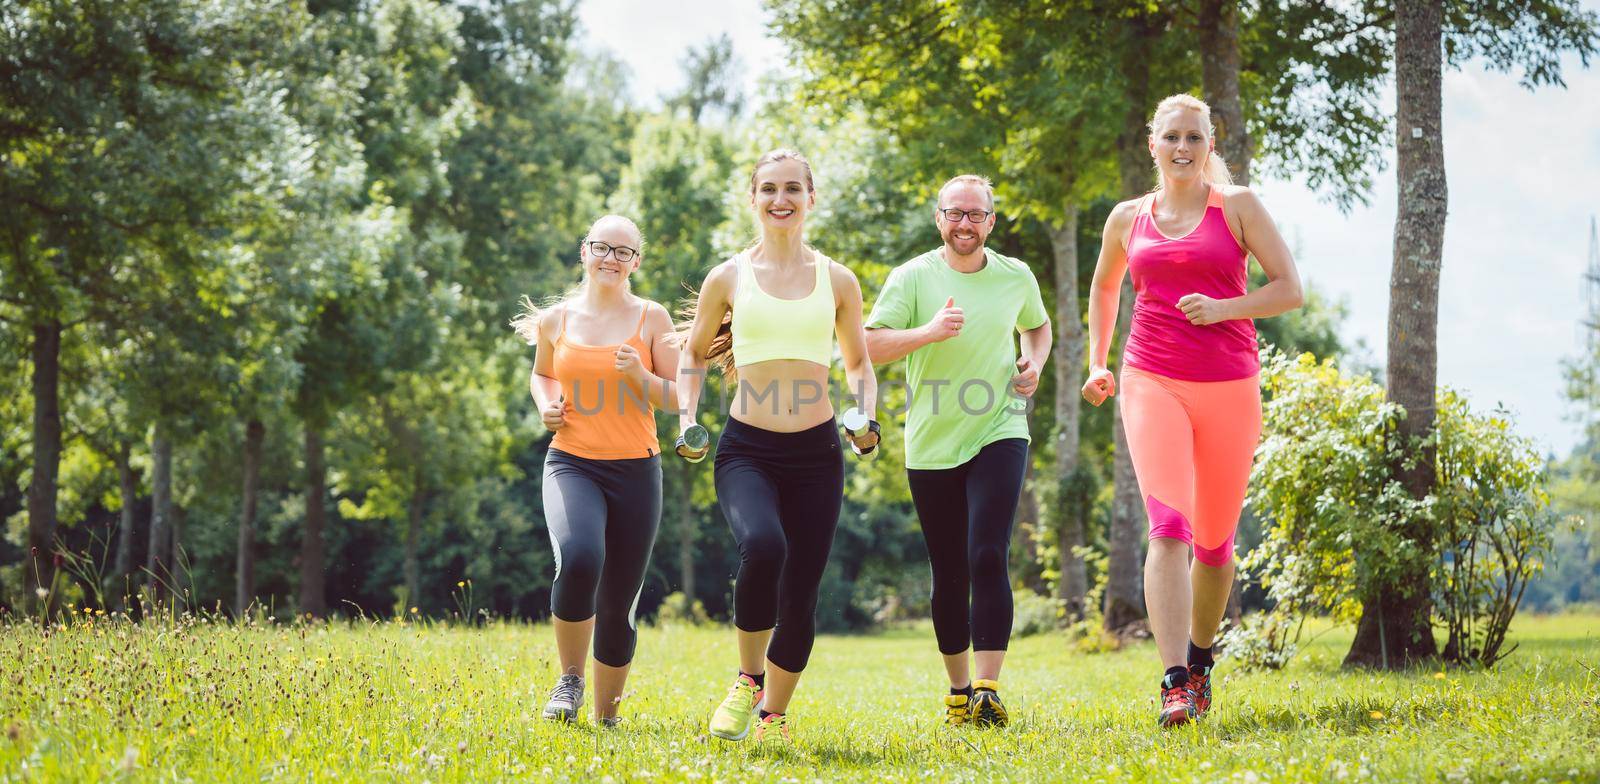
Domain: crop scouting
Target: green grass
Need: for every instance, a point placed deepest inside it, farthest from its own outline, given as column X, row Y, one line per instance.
column 207, row 702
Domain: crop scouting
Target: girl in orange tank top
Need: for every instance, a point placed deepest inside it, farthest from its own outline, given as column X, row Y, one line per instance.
column 614, row 417
column 602, row 365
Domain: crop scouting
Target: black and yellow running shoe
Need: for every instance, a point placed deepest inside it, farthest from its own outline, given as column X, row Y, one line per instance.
column 957, row 710
column 987, row 709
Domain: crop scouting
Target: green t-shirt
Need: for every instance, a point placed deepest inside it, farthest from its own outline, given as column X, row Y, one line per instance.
column 960, row 389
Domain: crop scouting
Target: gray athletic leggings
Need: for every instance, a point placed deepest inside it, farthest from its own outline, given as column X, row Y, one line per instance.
column 603, row 516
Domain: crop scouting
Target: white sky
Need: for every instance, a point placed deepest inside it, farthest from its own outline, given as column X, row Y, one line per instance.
column 1522, row 168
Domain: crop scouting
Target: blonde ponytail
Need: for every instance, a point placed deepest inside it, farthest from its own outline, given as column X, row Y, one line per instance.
column 526, row 324
column 1216, row 170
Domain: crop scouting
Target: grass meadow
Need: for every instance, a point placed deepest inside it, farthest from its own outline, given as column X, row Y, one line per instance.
column 106, row 700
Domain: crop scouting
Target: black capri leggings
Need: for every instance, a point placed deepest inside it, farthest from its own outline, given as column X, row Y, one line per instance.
column 781, row 493
column 603, row 516
column 966, row 514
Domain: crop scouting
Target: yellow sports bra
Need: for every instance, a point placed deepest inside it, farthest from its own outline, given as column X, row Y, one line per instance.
column 766, row 328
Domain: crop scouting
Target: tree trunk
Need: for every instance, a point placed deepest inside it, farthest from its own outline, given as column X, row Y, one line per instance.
column 158, row 555
column 1219, row 64
column 312, row 595
column 182, row 581
column 1124, row 600
column 129, row 483
column 1024, row 539
column 1069, row 379
column 687, row 528
column 244, row 586
column 1219, row 68
column 40, row 569
column 1395, row 627
column 1124, row 603
column 414, row 510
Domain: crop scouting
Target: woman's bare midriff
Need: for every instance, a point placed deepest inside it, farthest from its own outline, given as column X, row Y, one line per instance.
column 781, row 395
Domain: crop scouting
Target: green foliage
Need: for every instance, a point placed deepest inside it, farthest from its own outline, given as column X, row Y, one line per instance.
column 1496, row 527
column 1322, row 482
column 1324, row 486
column 986, row 87
column 676, row 608
column 1264, row 641
column 1034, row 614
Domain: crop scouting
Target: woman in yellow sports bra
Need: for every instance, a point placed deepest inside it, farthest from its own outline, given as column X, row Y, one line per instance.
column 779, row 469
column 604, row 361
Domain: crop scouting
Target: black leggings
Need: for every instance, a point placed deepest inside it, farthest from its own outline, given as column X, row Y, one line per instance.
column 603, row 516
column 781, row 493
column 966, row 514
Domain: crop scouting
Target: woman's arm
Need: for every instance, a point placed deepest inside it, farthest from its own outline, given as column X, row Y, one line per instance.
column 847, row 323
column 1105, row 293
column 714, row 303
column 544, row 386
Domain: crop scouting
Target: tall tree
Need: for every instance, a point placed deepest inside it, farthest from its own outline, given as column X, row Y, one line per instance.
column 124, row 130
column 712, row 80
column 1396, row 620
column 1218, row 23
column 372, row 321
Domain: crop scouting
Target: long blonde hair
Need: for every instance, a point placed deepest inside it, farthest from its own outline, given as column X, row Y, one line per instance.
column 526, row 323
column 1216, row 171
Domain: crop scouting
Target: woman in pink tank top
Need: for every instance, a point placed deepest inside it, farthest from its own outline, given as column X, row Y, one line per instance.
column 1191, row 399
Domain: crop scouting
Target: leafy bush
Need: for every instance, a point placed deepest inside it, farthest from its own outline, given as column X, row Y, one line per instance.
column 1495, row 522
column 676, row 608
column 1336, row 517
column 1265, row 641
column 1035, row 614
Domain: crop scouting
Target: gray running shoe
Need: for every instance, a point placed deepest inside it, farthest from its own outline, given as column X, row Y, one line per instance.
column 565, row 699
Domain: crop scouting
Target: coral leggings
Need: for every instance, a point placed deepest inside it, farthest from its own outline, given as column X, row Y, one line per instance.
column 1192, row 443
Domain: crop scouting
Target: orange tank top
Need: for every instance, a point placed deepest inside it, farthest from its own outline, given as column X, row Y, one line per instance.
column 608, row 418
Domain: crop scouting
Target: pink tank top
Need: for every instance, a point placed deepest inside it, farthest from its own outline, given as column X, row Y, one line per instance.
column 1205, row 261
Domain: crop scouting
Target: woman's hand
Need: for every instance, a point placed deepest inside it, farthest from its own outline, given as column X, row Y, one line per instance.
column 1202, row 310
column 864, row 442
column 628, row 364
column 1101, row 385
column 555, row 414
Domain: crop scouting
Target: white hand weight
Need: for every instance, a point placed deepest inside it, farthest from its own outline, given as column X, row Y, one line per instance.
column 858, row 424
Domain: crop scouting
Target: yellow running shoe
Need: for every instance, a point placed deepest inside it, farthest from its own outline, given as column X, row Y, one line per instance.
column 987, row 709
column 774, row 729
column 733, row 717
column 957, row 710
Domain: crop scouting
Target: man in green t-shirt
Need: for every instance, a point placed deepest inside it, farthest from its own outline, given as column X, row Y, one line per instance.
column 952, row 313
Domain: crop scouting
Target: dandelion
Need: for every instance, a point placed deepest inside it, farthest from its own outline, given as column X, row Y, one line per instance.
column 1438, row 676
column 41, row 592
column 461, row 583
column 413, row 611
column 1376, row 714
